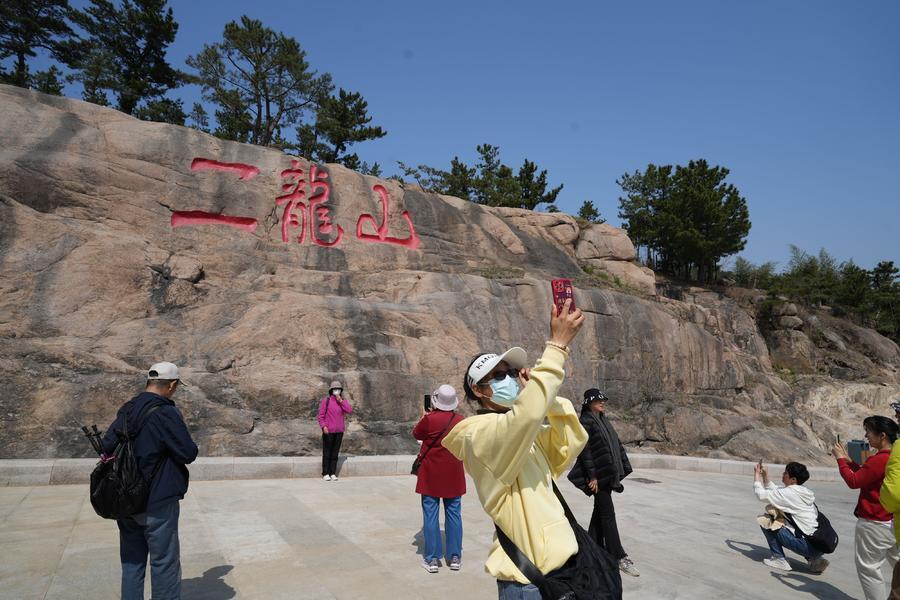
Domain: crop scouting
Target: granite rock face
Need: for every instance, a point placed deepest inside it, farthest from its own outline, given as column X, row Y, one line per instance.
column 97, row 284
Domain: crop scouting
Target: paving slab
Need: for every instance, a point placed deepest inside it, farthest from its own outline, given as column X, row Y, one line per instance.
column 692, row 534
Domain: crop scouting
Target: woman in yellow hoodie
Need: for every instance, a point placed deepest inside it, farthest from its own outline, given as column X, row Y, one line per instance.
column 513, row 456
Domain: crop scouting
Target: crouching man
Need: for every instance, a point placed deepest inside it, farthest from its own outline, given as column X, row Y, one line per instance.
column 162, row 446
column 797, row 503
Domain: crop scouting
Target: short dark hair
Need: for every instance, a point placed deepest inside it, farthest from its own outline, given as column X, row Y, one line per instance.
column 467, row 389
column 161, row 382
column 798, row 471
column 878, row 424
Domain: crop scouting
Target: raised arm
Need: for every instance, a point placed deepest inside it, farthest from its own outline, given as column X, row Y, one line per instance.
column 563, row 438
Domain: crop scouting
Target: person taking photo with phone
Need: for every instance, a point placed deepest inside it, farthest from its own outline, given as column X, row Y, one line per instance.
column 513, row 456
column 332, row 410
column 440, row 475
column 874, row 542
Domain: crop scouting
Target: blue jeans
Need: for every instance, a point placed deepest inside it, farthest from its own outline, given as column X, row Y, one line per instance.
column 513, row 590
column 782, row 538
column 431, row 529
column 154, row 532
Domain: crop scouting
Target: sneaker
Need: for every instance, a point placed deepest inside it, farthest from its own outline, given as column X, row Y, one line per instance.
column 778, row 563
column 326, row 477
column 334, row 477
column 455, row 563
column 626, row 565
column 430, row 565
column 818, row 565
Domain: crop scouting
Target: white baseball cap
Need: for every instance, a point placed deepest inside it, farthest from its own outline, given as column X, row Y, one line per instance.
column 163, row 370
column 444, row 398
column 484, row 364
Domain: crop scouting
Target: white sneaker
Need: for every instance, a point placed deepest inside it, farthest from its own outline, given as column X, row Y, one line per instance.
column 430, row 566
column 334, row 477
column 326, row 477
column 818, row 565
column 626, row 565
column 778, row 563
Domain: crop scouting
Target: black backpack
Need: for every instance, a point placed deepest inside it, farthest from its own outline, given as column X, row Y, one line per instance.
column 824, row 538
column 118, row 488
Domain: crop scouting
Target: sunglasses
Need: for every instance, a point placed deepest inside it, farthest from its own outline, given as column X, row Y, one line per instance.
column 499, row 376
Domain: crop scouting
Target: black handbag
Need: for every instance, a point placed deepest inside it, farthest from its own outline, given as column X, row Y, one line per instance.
column 824, row 538
column 590, row 574
column 418, row 462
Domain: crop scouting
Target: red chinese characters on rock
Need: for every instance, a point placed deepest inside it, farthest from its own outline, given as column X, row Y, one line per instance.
column 190, row 218
column 380, row 235
column 313, row 214
column 305, row 196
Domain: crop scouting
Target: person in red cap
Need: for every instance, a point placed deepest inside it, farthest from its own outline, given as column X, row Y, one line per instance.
column 440, row 475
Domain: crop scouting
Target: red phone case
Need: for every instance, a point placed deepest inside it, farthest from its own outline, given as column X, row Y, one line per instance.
column 562, row 289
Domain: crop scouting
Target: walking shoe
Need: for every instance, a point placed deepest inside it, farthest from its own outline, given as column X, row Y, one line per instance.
column 334, row 477
column 778, row 563
column 455, row 563
column 818, row 565
column 326, row 477
column 430, row 565
column 626, row 565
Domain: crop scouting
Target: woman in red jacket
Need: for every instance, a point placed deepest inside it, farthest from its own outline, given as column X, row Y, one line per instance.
column 440, row 475
column 875, row 541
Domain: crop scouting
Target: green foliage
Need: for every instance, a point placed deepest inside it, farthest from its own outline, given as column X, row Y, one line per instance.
column 488, row 182
column 341, row 120
column 259, row 81
column 872, row 298
column 199, row 118
column 162, row 110
column 125, row 52
column 589, row 213
column 49, row 81
column 688, row 218
column 29, row 25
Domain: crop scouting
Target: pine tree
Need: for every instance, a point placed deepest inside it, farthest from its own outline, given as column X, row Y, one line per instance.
column 341, row 121
column 30, row 25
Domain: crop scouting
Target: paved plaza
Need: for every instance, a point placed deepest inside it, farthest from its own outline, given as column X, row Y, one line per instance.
column 692, row 535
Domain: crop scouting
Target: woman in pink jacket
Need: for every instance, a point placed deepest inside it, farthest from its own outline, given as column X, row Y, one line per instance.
column 331, row 419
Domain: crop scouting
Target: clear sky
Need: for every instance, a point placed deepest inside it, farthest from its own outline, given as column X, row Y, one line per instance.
column 800, row 100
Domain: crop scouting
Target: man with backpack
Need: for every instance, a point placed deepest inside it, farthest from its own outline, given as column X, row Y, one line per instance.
column 162, row 447
column 797, row 504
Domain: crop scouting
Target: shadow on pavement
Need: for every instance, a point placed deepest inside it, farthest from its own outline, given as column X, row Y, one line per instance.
column 816, row 587
column 419, row 542
column 209, row 586
column 752, row 551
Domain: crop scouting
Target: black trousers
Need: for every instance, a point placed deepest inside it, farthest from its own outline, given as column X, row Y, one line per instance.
column 331, row 446
column 603, row 525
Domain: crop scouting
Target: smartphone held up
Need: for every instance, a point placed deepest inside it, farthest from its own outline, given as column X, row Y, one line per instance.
column 562, row 290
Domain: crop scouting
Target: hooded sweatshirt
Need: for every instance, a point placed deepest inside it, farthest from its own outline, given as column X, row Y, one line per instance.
column 796, row 500
column 890, row 489
column 513, row 457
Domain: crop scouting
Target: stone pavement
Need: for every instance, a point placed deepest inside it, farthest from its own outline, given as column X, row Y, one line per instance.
column 692, row 535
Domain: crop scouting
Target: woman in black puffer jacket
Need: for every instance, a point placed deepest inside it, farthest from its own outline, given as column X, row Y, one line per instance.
column 603, row 463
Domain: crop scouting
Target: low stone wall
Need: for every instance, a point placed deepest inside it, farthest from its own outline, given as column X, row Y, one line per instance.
column 17, row 472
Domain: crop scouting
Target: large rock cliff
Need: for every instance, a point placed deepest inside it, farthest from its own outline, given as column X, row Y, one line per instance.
column 126, row 242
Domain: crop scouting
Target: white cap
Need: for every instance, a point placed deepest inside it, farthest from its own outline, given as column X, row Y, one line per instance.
column 163, row 370
column 484, row 364
column 444, row 398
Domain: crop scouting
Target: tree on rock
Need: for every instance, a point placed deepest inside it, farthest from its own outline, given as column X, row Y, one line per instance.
column 259, row 81
column 688, row 218
column 588, row 212
column 30, row 25
column 125, row 52
column 341, row 120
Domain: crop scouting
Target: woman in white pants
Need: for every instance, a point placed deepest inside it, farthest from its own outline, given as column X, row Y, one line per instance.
column 875, row 542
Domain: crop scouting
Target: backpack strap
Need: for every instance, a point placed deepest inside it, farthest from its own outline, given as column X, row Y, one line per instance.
column 145, row 413
column 440, row 435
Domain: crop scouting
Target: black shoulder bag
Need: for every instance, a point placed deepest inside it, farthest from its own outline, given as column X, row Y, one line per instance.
column 418, row 462
column 824, row 538
column 591, row 573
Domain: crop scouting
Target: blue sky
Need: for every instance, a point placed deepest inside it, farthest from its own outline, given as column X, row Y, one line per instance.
column 801, row 100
